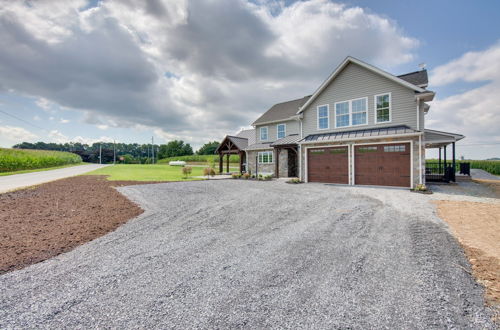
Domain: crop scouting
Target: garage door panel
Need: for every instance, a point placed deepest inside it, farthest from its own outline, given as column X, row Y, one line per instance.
column 329, row 165
column 383, row 164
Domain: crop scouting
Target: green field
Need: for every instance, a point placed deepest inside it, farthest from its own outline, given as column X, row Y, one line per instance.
column 491, row 166
column 135, row 172
column 201, row 159
column 13, row 160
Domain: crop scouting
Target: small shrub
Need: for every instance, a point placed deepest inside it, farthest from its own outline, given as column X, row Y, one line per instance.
column 235, row 176
column 420, row 187
column 246, row 176
column 268, row 177
column 294, row 181
column 186, row 171
column 212, row 172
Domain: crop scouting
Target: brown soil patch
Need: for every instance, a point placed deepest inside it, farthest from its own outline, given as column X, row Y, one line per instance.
column 40, row 222
column 493, row 184
column 477, row 227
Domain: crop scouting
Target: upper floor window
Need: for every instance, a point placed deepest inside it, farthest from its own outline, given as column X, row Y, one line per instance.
column 351, row 113
column 281, row 131
column 323, row 117
column 263, row 133
column 383, row 108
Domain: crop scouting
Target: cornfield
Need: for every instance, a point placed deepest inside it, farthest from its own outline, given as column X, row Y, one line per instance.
column 25, row 159
column 200, row 159
column 491, row 166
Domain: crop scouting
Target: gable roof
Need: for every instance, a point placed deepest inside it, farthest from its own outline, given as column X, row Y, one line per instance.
column 239, row 142
column 248, row 134
column 281, row 111
column 367, row 66
column 417, row 78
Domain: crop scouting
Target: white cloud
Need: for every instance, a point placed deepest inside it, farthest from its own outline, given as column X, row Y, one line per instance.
column 102, row 127
column 37, row 118
column 475, row 112
column 10, row 135
column 63, row 121
column 58, row 137
column 195, row 69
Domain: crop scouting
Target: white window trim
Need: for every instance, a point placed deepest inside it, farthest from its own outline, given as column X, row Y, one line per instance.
column 350, row 112
column 262, row 152
column 267, row 133
column 375, row 109
column 327, row 117
column 277, row 131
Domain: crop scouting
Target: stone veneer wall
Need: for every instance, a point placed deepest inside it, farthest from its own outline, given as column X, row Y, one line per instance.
column 263, row 168
column 415, row 140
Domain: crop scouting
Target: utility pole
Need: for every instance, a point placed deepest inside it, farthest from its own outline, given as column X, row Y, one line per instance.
column 100, row 153
column 152, row 151
column 114, row 152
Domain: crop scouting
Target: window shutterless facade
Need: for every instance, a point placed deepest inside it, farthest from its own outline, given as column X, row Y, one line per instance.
column 323, row 116
column 351, row 113
column 263, row 133
column 281, row 131
column 382, row 108
column 265, row 157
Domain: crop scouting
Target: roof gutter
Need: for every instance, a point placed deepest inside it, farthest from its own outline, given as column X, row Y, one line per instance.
column 295, row 117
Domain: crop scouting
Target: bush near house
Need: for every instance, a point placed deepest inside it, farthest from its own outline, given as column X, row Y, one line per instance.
column 491, row 166
column 25, row 159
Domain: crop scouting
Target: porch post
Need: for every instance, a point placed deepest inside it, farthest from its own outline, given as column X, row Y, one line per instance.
column 439, row 160
column 221, row 160
column 453, row 160
column 445, row 156
column 277, row 163
column 227, row 163
column 241, row 162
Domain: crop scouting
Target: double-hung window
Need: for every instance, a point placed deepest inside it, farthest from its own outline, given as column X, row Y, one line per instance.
column 383, row 108
column 281, row 131
column 351, row 113
column 265, row 157
column 263, row 133
column 323, row 117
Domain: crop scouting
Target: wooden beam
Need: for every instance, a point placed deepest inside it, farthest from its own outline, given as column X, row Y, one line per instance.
column 221, row 160
column 227, row 163
column 277, row 162
column 241, row 162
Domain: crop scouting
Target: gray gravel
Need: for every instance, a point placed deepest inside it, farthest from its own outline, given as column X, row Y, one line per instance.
column 236, row 254
column 481, row 174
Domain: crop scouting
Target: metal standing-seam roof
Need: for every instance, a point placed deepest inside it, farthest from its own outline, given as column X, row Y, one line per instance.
column 352, row 135
column 287, row 140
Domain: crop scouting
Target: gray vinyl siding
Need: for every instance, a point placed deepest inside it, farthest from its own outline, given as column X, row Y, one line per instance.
column 292, row 127
column 357, row 82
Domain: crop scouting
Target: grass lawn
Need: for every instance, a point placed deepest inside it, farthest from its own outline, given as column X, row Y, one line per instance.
column 135, row 172
column 40, row 169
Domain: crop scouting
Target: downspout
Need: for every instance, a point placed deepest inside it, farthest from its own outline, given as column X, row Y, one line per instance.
column 420, row 179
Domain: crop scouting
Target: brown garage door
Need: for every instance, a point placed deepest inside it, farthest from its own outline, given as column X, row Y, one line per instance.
column 382, row 165
column 329, row 165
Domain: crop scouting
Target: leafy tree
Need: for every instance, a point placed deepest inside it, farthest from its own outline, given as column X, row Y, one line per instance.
column 208, row 148
column 175, row 148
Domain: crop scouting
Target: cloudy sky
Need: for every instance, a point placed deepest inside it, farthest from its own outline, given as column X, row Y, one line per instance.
column 197, row 70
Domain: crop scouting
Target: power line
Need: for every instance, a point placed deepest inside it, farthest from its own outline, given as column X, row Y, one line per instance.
column 24, row 121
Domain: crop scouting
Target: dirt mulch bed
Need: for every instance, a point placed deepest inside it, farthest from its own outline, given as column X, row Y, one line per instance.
column 41, row 222
column 476, row 225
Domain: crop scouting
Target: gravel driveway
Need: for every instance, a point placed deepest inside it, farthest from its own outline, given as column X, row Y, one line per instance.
column 236, row 254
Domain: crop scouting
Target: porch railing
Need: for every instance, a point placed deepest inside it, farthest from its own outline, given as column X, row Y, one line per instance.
column 435, row 171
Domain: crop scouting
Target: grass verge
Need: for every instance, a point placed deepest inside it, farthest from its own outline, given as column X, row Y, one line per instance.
column 135, row 172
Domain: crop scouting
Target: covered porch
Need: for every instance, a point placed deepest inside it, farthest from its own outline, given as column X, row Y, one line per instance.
column 232, row 145
column 446, row 168
column 286, row 166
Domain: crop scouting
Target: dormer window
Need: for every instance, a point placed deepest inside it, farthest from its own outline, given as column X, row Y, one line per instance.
column 281, row 131
column 263, row 133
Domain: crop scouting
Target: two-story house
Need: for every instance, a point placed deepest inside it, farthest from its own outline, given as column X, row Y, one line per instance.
column 362, row 126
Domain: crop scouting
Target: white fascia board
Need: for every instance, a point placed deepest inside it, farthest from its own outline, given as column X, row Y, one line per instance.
column 348, row 60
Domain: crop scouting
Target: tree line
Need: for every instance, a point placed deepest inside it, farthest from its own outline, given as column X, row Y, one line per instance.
column 128, row 153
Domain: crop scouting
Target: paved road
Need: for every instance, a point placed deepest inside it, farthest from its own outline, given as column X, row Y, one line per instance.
column 239, row 254
column 482, row 174
column 16, row 181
